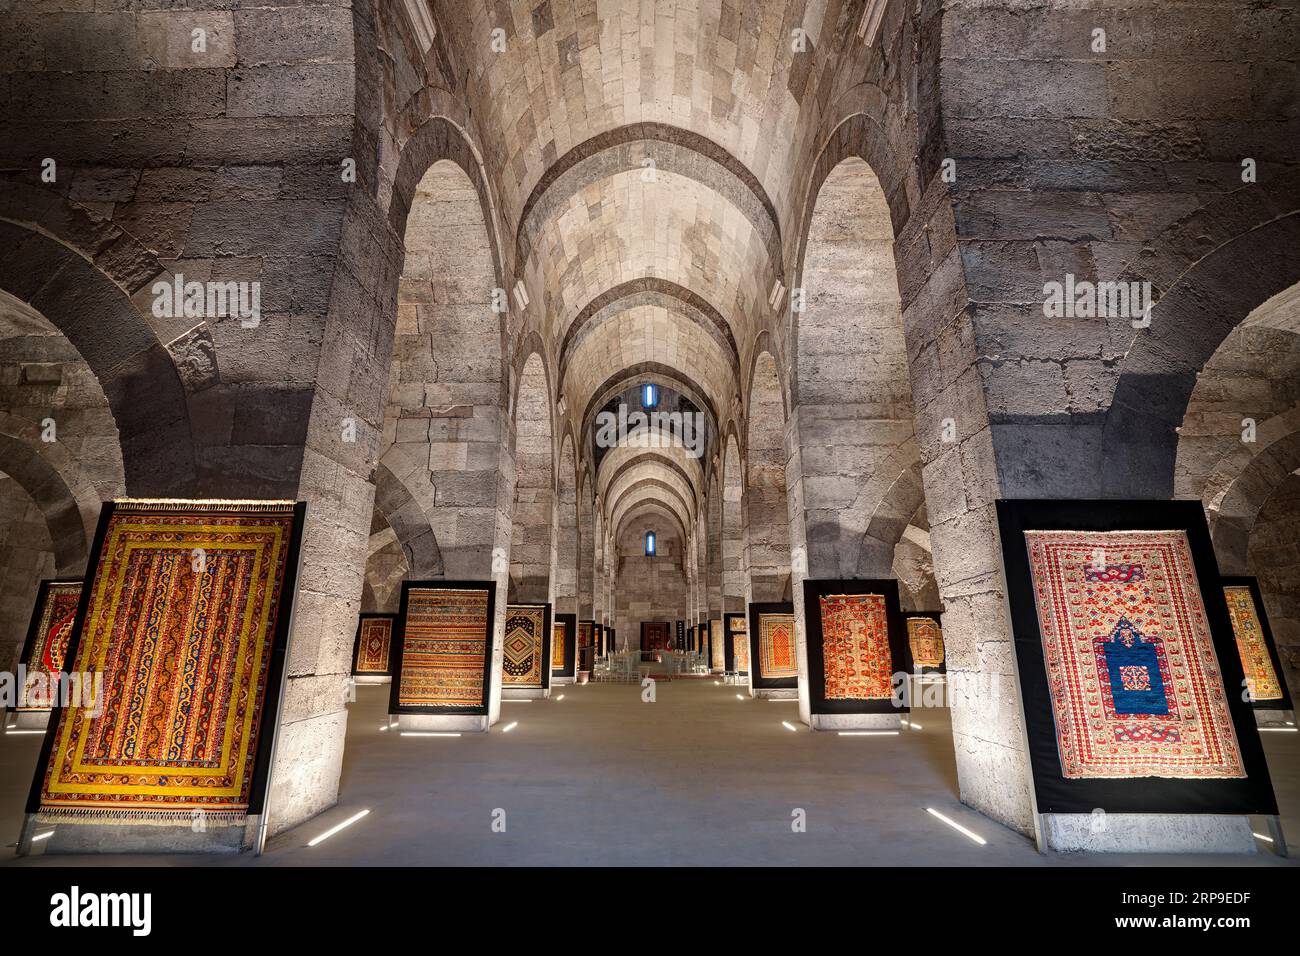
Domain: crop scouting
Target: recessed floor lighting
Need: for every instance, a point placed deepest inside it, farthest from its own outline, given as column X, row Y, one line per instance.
column 740, row 697
column 561, row 697
column 520, row 700
column 789, row 726
column 49, row 833
column 510, row 726
column 957, row 826
column 1266, row 839
column 333, row 830
column 868, row 733
column 430, row 733
column 1276, row 730
column 12, row 730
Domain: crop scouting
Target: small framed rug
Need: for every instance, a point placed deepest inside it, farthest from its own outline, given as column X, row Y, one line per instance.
column 717, row 646
column 1129, row 672
column 185, row 620
column 858, row 655
column 736, row 652
column 442, row 648
column 46, row 646
column 925, row 639
column 773, row 646
column 564, row 645
column 372, row 653
column 1265, row 680
column 526, row 647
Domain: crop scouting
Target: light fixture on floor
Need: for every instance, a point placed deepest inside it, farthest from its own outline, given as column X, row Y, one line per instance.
column 519, row 700
column 430, row 733
column 335, row 829
column 908, row 723
column 49, row 833
column 13, row 730
column 510, row 726
column 1280, row 730
column 789, row 726
column 739, row 697
column 1266, row 839
column 957, row 826
column 867, row 733
column 561, row 697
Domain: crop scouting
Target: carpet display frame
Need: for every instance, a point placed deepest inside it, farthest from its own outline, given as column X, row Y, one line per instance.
column 717, row 645
column 569, row 622
column 356, row 644
column 395, row 705
column 730, row 632
column 586, row 642
column 35, row 642
column 1056, row 793
column 651, row 628
column 900, row 653
column 1266, row 632
column 681, row 635
column 937, row 618
column 759, row 680
column 260, row 752
column 544, row 668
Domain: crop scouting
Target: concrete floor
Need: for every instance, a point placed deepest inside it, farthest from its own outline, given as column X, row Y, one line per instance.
column 696, row 778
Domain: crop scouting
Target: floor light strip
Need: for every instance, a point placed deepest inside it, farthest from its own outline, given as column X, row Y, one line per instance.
column 429, row 733
column 957, row 826
column 868, row 733
column 1261, row 836
column 11, row 731
column 561, row 697
column 510, row 726
column 1276, row 730
column 49, row 833
column 789, row 726
column 740, row 697
column 333, row 830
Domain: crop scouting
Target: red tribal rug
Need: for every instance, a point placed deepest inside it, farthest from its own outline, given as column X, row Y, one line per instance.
column 776, row 646
column 1131, row 669
column 855, row 647
column 443, row 649
column 557, row 647
column 185, row 601
column 521, row 662
column 54, row 614
column 1261, row 679
column 926, row 639
column 374, row 639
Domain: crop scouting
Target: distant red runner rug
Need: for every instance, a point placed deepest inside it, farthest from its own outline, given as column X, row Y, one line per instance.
column 926, row 640
column 1131, row 669
column 776, row 646
column 521, row 660
column 374, row 640
column 443, row 649
column 855, row 647
column 1261, row 679
column 55, row 613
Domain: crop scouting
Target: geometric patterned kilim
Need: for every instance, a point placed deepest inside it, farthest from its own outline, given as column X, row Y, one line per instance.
column 1261, row 679
column 557, row 646
column 443, row 647
column 1134, row 681
column 926, row 639
column 373, row 643
column 855, row 647
column 521, row 662
column 54, row 618
column 740, row 643
column 184, row 605
column 776, row 646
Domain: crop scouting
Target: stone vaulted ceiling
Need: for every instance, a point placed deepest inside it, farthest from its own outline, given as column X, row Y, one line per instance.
column 643, row 155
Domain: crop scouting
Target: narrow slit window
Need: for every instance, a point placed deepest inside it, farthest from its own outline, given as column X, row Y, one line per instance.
column 650, row 544
column 649, row 395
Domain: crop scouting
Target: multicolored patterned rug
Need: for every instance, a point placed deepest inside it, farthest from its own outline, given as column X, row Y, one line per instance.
column 521, row 662
column 374, row 639
column 1131, row 669
column 444, row 648
column 557, row 647
column 718, row 652
column 54, row 615
column 926, row 640
column 1261, row 679
column 777, row 656
column 183, row 612
column 855, row 647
